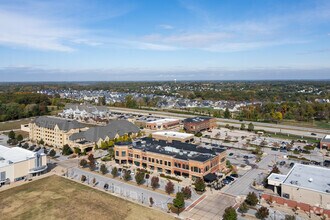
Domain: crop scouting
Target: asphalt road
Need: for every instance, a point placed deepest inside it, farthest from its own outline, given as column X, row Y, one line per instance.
column 286, row 129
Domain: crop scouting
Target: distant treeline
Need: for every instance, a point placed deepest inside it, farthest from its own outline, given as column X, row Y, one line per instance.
column 21, row 105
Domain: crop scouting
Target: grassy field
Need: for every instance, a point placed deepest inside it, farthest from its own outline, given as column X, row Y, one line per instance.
column 23, row 133
column 9, row 125
column 57, row 198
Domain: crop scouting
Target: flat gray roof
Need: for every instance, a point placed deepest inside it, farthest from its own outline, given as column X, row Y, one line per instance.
column 309, row 177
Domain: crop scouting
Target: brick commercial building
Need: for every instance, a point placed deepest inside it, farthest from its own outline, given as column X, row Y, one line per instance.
column 163, row 124
column 198, row 124
column 174, row 158
column 325, row 142
column 54, row 131
column 304, row 184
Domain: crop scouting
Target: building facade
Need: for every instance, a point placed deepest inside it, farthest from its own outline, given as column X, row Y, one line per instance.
column 325, row 142
column 53, row 131
column 17, row 164
column 175, row 158
column 198, row 124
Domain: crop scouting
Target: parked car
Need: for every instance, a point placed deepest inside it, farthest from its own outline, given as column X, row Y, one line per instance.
column 282, row 163
column 291, row 164
column 235, row 175
column 230, row 154
column 230, row 178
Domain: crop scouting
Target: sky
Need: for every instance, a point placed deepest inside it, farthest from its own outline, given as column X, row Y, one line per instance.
column 152, row 40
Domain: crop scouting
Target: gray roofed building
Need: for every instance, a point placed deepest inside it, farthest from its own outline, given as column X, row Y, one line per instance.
column 94, row 134
column 63, row 124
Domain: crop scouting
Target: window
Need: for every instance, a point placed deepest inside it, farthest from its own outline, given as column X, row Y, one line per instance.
column 123, row 153
column 160, row 161
column 165, row 162
column 117, row 153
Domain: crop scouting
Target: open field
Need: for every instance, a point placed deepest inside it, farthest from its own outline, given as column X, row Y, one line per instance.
column 57, row 198
column 9, row 125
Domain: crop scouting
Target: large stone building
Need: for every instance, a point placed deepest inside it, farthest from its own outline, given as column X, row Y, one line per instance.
column 174, row 158
column 325, row 142
column 53, row 131
column 304, row 184
column 99, row 134
column 17, row 164
column 198, row 124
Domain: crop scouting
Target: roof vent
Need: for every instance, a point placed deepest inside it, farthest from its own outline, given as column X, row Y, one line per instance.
column 310, row 180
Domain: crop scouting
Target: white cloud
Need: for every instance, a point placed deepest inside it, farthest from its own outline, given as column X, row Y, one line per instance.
column 166, row 26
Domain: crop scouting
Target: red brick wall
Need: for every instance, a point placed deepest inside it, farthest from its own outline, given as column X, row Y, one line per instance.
column 293, row 204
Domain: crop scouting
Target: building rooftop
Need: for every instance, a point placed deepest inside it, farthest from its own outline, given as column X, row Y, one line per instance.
column 115, row 127
column 177, row 149
column 14, row 155
column 197, row 119
column 173, row 134
column 63, row 124
column 326, row 138
column 309, row 177
column 164, row 120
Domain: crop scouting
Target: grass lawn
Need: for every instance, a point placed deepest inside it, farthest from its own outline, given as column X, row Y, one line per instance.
column 57, row 198
column 9, row 125
column 23, row 133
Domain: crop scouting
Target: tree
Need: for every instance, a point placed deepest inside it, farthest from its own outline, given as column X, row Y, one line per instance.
column 83, row 162
column 26, row 146
column 103, row 169
column 114, row 172
column 290, row 217
column 169, row 188
column 242, row 126
column 83, row 178
column 139, row 178
column 275, row 170
column 19, row 137
column 91, row 161
column 42, row 142
column 66, row 150
column 229, row 214
column 200, row 185
column 52, row 153
column 250, row 127
column 127, row 175
column 262, row 213
column 11, row 134
column 252, row 199
column 178, row 201
column 243, row 208
column 186, row 192
column 154, row 182
column 151, row 201
column 226, row 114
column 94, row 180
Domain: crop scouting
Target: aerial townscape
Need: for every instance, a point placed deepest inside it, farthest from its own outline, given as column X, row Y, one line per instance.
column 176, row 109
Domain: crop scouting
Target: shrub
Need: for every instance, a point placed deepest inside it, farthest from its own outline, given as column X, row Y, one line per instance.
column 83, row 178
column 290, row 217
column 127, row 176
column 19, row 137
column 154, row 182
column 262, row 213
column 114, row 172
column 186, row 192
column 103, row 169
column 26, row 146
column 151, row 201
column 169, row 188
column 200, row 185
column 229, row 214
column 139, row 178
column 11, row 135
column 170, row 177
column 52, row 153
column 252, row 199
column 66, row 150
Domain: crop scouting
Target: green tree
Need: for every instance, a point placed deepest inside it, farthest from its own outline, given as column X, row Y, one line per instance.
column 52, row 153
column 66, row 150
column 83, row 162
column 139, row 178
column 250, row 127
column 229, row 214
column 83, row 178
column 178, row 201
column 103, row 169
column 169, row 187
column 243, row 208
column 114, row 172
column 252, row 199
column 242, row 126
column 130, row 102
column 19, row 137
column 42, row 142
column 200, row 185
column 77, row 150
column 127, row 175
column 11, row 134
column 262, row 213
column 290, row 217
column 227, row 114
